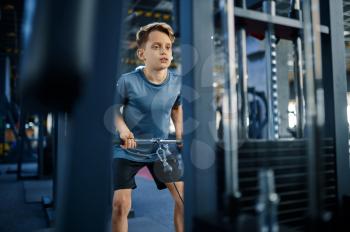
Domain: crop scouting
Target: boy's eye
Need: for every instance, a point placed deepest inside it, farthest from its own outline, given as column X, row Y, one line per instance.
column 157, row 47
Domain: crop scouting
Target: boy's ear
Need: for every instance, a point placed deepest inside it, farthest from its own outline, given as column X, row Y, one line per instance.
column 140, row 53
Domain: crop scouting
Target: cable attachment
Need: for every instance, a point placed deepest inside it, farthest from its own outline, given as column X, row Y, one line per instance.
column 161, row 153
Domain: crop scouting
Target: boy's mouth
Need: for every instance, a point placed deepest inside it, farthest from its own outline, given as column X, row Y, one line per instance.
column 164, row 60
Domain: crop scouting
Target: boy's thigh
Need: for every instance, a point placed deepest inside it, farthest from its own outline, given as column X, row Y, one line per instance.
column 162, row 176
column 124, row 172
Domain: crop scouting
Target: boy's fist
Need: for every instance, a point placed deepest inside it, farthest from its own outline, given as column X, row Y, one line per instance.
column 128, row 139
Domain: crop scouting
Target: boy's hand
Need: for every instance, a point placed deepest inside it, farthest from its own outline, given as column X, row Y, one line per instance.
column 128, row 139
column 179, row 146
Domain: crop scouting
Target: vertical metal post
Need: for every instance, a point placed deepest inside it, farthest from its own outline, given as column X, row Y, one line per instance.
column 243, row 79
column 2, row 104
column 21, row 144
column 269, row 7
column 41, row 146
column 187, row 62
column 203, row 86
column 2, row 134
column 84, row 177
column 230, row 114
column 199, row 148
column 340, row 102
column 3, row 67
column 315, row 110
column 267, row 202
column 55, row 137
column 299, row 87
column 298, row 72
column 335, row 87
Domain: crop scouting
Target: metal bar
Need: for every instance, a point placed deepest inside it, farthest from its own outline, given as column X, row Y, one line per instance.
column 21, row 144
column 187, row 62
column 41, row 146
column 335, row 87
column 243, row 79
column 230, row 109
column 340, row 105
column 55, row 138
column 243, row 85
column 2, row 133
column 299, row 87
column 204, row 145
column 267, row 202
column 320, row 111
column 3, row 105
column 198, row 81
column 161, row 141
column 79, row 166
column 273, row 19
column 269, row 7
column 298, row 72
column 314, row 104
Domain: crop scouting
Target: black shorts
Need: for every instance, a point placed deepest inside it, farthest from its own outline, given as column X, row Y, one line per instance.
column 124, row 172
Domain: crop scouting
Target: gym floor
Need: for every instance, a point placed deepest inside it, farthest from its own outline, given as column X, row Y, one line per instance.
column 21, row 209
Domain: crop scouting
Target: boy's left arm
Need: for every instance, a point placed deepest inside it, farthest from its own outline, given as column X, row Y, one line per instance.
column 176, row 116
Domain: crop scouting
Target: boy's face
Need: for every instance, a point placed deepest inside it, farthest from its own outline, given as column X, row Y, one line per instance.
column 157, row 51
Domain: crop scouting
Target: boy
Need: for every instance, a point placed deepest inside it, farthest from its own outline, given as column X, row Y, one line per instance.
column 150, row 96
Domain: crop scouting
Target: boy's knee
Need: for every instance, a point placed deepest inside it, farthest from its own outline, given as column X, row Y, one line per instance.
column 121, row 206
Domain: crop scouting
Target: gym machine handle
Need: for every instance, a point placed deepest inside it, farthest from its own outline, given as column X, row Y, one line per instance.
column 158, row 141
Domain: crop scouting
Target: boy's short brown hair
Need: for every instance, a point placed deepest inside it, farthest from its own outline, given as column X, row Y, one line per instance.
column 142, row 34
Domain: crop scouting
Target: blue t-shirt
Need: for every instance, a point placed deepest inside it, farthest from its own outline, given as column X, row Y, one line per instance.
column 146, row 110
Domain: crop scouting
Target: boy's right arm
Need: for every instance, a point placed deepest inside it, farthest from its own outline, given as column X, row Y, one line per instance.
column 125, row 134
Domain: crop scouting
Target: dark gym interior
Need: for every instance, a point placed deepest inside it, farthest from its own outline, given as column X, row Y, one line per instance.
column 266, row 100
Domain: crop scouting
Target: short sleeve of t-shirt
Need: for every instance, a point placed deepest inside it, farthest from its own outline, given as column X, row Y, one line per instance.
column 120, row 95
column 178, row 101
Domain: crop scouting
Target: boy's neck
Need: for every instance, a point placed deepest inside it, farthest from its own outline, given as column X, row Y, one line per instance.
column 155, row 76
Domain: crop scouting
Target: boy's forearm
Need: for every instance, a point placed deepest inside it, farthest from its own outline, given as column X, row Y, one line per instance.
column 176, row 116
column 120, row 124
